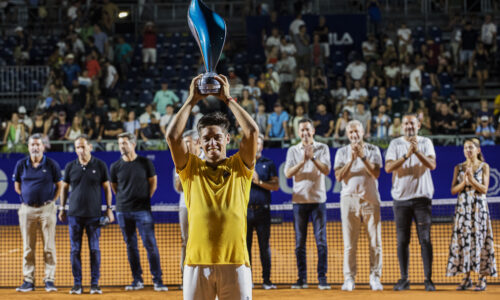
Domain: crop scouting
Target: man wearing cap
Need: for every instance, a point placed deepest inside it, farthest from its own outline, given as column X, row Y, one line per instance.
column 165, row 97
column 71, row 71
column 134, row 182
column 88, row 177
column 485, row 131
column 37, row 180
column 23, row 118
column 25, row 44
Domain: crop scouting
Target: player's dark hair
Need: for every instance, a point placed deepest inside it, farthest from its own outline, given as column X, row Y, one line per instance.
column 215, row 118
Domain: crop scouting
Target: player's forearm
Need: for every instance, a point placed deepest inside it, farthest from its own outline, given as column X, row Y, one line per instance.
column 429, row 162
column 323, row 168
column 372, row 169
column 392, row 165
column 178, row 124
column 342, row 172
column 289, row 173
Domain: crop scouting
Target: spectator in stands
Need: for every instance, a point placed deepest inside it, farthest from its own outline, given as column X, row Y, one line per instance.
column 94, row 72
column 466, row 123
column 73, row 11
column 308, row 163
column 165, row 97
column 392, row 73
column 357, row 167
column 404, row 39
column 287, row 46
column 425, row 121
column 376, row 73
column 95, row 131
column 318, row 55
column 149, row 45
column 338, row 97
column 467, row 46
column 431, row 51
column 272, row 56
column 112, row 128
column 369, row 48
column 248, row 103
column 123, row 56
column 167, row 118
column 23, row 118
column 252, row 88
column 381, row 123
column 411, row 159
column 194, row 118
column 100, row 40
column 455, row 38
column 23, row 47
column 302, row 41
column 15, row 132
column 358, row 93
column 323, row 31
column 78, row 47
column 416, row 88
column 110, row 79
column 395, row 130
column 486, row 132
column 364, row 116
column 38, row 125
column 235, row 82
column 296, row 24
column 489, row 35
column 323, row 122
column 405, row 70
column 131, row 125
column 109, row 15
column 484, row 110
column 260, row 117
column 71, row 70
column 355, row 71
column 480, row 60
column 59, row 127
column 301, row 87
column 277, row 123
column 75, row 130
column 381, row 99
column 294, row 120
column 444, row 122
column 319, row 82
column 152, row 131
column 273, row 40
column 390, row 54
column 145, row 118
column 286, row 68
column 341, row 125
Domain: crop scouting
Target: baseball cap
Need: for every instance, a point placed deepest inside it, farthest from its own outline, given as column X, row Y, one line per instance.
column 485, row 118
column 18, row 28
column 70, row 56
column 21, row 109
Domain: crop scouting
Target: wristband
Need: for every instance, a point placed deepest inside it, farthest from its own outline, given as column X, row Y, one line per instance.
column 363, row 158
column 109, row 207
column 61, row 207
column 231, row 99
column 405, row 157
column 260, row 182
column 313, row 158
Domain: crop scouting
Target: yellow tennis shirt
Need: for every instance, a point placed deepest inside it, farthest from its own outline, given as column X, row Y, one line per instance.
column 217, row 201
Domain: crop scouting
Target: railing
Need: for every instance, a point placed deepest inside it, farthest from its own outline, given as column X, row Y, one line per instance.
column 112, row 145
column 21, row 85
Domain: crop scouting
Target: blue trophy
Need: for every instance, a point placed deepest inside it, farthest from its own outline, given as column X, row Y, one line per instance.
column 209, row 30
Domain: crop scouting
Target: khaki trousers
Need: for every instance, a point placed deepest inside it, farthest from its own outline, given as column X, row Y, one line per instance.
column 355, row 211
column 30, row 219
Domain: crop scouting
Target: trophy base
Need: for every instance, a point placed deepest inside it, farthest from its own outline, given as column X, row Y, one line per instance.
column 208, row 84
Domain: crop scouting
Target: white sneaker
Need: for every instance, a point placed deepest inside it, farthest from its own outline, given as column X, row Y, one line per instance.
column 268, row 286
column 348, row 285
column 375, row 284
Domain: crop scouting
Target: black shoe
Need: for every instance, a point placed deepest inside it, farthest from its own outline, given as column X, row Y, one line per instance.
column 401, row 285
column 429, row 285
column 95, row 289
column 465, row 285
column 301, row 284
column 481, row 285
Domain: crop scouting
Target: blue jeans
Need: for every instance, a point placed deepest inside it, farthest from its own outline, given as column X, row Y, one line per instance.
column 142, row 220
column 76, row 227
column 260, row 220
column 301, row 214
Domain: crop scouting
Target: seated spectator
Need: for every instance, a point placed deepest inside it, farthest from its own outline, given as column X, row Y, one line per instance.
column 376, row 73
column 322, row 30
column 355, row 71
column 23, row 118
column 466, row 123
column 272, row 56
column 15, row 132
column 381, row 99
column 341, row 125
column 277, row 123
column 85, row 80
column 71, row 70
column 425, row 121
column 395, row 130
column 404, row 39
column 248, row 103
column 236, row 84
column 293, row 123
column 338, row 97
column 364, row 116
column 272, row 78
column 301, row 86
column 261, row 117
column 273, row 40
column 75, row 130
column 323, row 121
column 113, row 126
column 152, row 131
column 95, row 131
column 486, row 132
column 149, row 45
column 319, row 85
column 252, row 88
column 286, row 69
column 296, row 24
column 358, row 93
column 166, row 119
column 59, row 127
column 370, row 48
column 484, row 110
column 444, row 122
column 392, row 73
column 381, row 123
column 389, row 54
column 194, row 118
column 145, row 118
column 132, row 125
column 94, row 72
column 165, row 97
column 287, row 46
column 38, row 125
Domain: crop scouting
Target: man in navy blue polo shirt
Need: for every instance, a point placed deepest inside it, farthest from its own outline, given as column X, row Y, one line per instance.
column 37, row 180
column 265, row 180
column 86, row 175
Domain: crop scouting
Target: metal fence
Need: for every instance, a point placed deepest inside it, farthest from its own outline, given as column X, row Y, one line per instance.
column 22, row 85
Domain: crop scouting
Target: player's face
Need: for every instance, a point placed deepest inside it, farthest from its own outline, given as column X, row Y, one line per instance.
column 82, row 148
column 470, row 150
column 411, row 125
column 125, row 146
column 306, row 131
column 213, row 141
column 35, row 147
column 355, row 133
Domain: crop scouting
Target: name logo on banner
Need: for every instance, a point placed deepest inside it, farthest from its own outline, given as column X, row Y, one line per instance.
column 4, row 182
column 494, row 182
column 340, row 39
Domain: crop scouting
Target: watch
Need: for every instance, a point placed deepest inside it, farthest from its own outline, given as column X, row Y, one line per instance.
column 260, row 182
column 363, row 158
column 61, row 207
column 109, row 207
column 313, row 158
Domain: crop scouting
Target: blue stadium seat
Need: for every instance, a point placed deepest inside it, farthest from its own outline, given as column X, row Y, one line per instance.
column 394, row 92
column 446, row 90
column 130, row 85
column 418, row 32
column 445, row 78
column 147, row 84
column 183, row 83
column 339, row 68
column 127, row 97
column 185, row 72
column 168, row 72
column 427, row 91
column 188, row 60
column 258, row 59
column 426, row 78
column 373, row 92
column 145, row 97
column 435, row 32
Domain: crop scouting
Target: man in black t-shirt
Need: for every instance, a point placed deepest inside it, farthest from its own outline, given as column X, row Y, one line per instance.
column 134, row 181
column 112, row 129
column 85, row 175
column 467, row 43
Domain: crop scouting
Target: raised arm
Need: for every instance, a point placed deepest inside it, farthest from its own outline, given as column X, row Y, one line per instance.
column 248, row 145
column 176, row 127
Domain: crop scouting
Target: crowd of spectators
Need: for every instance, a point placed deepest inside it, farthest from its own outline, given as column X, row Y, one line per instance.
column 397, row 70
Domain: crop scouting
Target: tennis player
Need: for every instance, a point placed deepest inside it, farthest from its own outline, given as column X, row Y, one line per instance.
column 217, row 192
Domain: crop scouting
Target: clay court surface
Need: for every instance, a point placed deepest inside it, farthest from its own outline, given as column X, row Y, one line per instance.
column 115, row 271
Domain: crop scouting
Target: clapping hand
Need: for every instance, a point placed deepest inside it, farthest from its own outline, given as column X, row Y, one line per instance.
column 308, row 152
column 358, row 149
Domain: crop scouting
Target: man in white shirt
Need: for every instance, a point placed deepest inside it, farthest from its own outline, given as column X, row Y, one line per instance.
column 416, row 88
column 287, row 46
column 145, row 118
column 286, row 70
column 111, row 77
column 358, row 93
column 355, row 71
column 273, row 40
column 295, row 25
column 370, row 48
column 308, row 163
column 488, row 34
column 404, row 37
column 357, row 166
column 411, row 158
